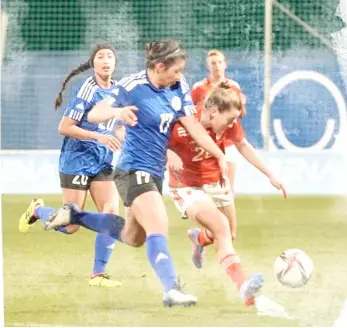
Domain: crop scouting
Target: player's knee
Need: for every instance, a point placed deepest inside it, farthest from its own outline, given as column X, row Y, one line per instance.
column 133, row 238
column 71, row 229
column 136, row 242
column 217, row 224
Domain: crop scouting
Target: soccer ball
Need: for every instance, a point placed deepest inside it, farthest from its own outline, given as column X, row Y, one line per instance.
column 293, row 268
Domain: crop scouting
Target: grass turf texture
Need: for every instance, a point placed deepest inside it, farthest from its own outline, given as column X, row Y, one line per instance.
column 46, row 273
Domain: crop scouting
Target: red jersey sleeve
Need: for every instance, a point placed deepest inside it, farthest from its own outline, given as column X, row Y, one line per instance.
column 233, row 134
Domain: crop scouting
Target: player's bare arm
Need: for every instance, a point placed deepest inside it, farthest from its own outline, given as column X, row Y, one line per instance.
column 250, row 154
column 103, row 111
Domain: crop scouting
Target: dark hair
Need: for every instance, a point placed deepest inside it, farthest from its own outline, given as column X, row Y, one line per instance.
column 164, row 51
column 225, row 97
column 81, row 68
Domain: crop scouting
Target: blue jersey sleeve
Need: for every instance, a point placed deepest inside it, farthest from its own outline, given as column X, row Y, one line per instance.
column 119, row 97
column 188, row 107
column 82, row 101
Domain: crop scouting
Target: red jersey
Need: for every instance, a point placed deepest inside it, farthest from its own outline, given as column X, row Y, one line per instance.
column 201, row 89
column 199, row 166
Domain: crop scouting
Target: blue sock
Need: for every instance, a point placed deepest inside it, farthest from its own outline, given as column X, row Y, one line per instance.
column 109, row 224
column 43, row 213
column 161, row 261
column 104, row 245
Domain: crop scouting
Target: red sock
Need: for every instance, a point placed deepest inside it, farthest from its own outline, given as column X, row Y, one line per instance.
column 231, row 265
column 205, row 238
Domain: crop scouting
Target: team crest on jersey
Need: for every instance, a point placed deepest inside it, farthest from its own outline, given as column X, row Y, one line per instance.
column 176, row 103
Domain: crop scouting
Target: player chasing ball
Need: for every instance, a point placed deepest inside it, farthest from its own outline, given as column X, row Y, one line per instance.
column 195, row 183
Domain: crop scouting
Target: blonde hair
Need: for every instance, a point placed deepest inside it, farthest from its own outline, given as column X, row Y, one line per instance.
column 215, row 52
column 226, row 97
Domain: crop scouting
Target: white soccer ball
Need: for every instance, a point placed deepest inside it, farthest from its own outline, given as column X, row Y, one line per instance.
column 293, row 268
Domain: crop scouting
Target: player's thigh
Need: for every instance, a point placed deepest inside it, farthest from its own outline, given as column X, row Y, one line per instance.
column 185, row 198
column 150, row 212
column 104, row 192
column 142, row 192
column 133, row 233
column 205, row 212
column 230, row 213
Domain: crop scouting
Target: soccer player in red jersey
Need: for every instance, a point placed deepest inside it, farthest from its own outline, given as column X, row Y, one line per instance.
column 195, row 183
column 216, row 65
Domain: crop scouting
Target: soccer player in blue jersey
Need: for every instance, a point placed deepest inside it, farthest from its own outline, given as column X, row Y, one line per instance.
column 162, row 97
column 87, row 156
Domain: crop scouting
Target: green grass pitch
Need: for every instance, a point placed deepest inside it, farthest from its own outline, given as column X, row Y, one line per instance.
column 46, row 273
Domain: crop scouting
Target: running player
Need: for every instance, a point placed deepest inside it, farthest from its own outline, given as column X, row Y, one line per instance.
column 86, row 158
column 216, row 65
column 162, row 97
column 196, row 189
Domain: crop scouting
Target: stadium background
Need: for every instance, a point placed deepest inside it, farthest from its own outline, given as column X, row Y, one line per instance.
column 47, row 39
column 45, row 274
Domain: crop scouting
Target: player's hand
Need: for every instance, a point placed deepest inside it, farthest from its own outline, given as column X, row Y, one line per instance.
column 223, row 165
column 128, row 115
column 110, row 141
column 174, row 161
column 278, row 185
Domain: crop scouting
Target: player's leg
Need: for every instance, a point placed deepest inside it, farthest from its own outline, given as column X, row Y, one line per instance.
column 183, row 198
column 106, row 199
column 231, row 175
column 74, row 189
column 128, row 231
column 76, row 196
column 133, row 233
column 147, row 206
column 228, row 209
column 150, row 212
column 206, row 213
column 111, row 224
column 202, row 207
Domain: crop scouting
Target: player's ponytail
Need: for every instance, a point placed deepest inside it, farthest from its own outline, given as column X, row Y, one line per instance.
column 225, row 97
column 163, row 51
column 83, row 67
column 80, row 69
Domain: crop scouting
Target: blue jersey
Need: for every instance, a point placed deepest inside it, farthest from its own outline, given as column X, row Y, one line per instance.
column 86, row 157
column 146, row 143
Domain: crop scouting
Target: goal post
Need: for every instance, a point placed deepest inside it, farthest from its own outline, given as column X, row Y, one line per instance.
column 267, row 72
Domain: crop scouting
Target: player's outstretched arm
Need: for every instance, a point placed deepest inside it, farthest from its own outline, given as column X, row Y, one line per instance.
column 250, row 154
column 199, row 134
column 103, row 111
